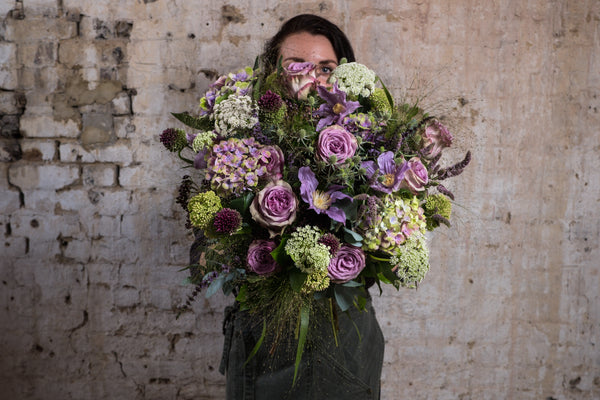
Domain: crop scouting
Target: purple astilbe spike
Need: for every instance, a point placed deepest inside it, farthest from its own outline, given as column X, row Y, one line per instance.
column 442, row 189
column 321, row 201
column 440, row 220
column 456, row 169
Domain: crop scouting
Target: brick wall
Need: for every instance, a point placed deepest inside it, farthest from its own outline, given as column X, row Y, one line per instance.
column 93, row 241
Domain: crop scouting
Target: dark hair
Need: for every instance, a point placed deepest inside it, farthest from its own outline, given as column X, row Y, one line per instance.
column 314, row 25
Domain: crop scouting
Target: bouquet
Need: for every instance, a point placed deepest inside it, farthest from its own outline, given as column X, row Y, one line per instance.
column 304, row 195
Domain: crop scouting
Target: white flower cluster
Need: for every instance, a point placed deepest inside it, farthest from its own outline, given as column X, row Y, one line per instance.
column 233, row 113
column 203, row 140
column 355, row 79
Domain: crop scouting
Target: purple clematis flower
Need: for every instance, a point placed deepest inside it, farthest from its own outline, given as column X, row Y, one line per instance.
column 336, row 107
column 387, row 175
column 320, row 201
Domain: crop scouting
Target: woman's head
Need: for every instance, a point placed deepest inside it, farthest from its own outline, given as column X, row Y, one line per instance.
column 311, row 38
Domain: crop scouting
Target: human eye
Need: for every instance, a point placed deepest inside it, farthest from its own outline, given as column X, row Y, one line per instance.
column 324, row 70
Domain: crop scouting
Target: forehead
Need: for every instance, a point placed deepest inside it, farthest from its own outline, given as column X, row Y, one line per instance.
column 307, row 47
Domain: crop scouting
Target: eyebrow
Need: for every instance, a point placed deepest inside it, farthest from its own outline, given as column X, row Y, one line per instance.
column 298, row 59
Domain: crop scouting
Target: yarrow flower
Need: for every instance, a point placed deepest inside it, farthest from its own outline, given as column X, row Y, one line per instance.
column 227, row 221
column 305, row 250
column 203, row 207
column 411, row 261
column 173, row 139
column 355, row 79
column 234, row 114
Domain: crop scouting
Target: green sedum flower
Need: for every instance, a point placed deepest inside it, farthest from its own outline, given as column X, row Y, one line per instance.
column 203, row 208
column 437, row 204
column 412, row 261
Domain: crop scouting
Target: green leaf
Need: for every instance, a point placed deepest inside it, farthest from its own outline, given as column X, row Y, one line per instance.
column 352, row 284
column 352, row 237
column 196, row 123
column 349, row 207
column 297, row 279
column 344, row 297
column 280, row 256
column 215, row 286
column 387, row 93
column 304, row 320
column 258, row 343
column 242, row 203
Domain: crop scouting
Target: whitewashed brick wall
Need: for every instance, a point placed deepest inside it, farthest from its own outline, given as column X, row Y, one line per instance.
column 93, row 242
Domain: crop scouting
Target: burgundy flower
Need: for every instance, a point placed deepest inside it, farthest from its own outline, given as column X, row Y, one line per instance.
column 274, row 207
column 270, row 101
column 415, row 177
column 347, row 264
column 336, row 141
column 227, row 221
column 259, row 257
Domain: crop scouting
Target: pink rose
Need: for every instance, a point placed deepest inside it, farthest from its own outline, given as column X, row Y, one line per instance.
column 301, row 79
column 259, row 257
column 274, row 207
column 347, row 264
column 274, row 163
column 438, row 137
column 415, row 178
column 336, row 141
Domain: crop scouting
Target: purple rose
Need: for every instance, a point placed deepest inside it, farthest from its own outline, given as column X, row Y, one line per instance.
column 437, row 137
column 274, row 207
column 415, row 177
column 336, row 141
column 301, row 79
column 259, row 257
column 275, row 161
column 347, row 264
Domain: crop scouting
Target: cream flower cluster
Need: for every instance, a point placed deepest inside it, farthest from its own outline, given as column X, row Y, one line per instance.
column 355, row 79
column 234, row 113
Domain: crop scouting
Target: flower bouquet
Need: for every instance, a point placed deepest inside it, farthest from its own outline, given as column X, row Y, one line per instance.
column 304, row 195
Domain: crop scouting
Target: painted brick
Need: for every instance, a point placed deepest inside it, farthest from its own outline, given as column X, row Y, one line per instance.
column 42, row 176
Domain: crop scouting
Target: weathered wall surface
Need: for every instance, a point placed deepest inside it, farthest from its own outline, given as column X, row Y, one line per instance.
column 92, row 240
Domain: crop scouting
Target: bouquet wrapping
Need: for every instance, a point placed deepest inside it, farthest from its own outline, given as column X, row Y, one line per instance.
column 304, row 195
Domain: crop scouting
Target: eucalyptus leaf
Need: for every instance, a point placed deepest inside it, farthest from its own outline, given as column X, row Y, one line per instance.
column 215, row 286
column 352, row 237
